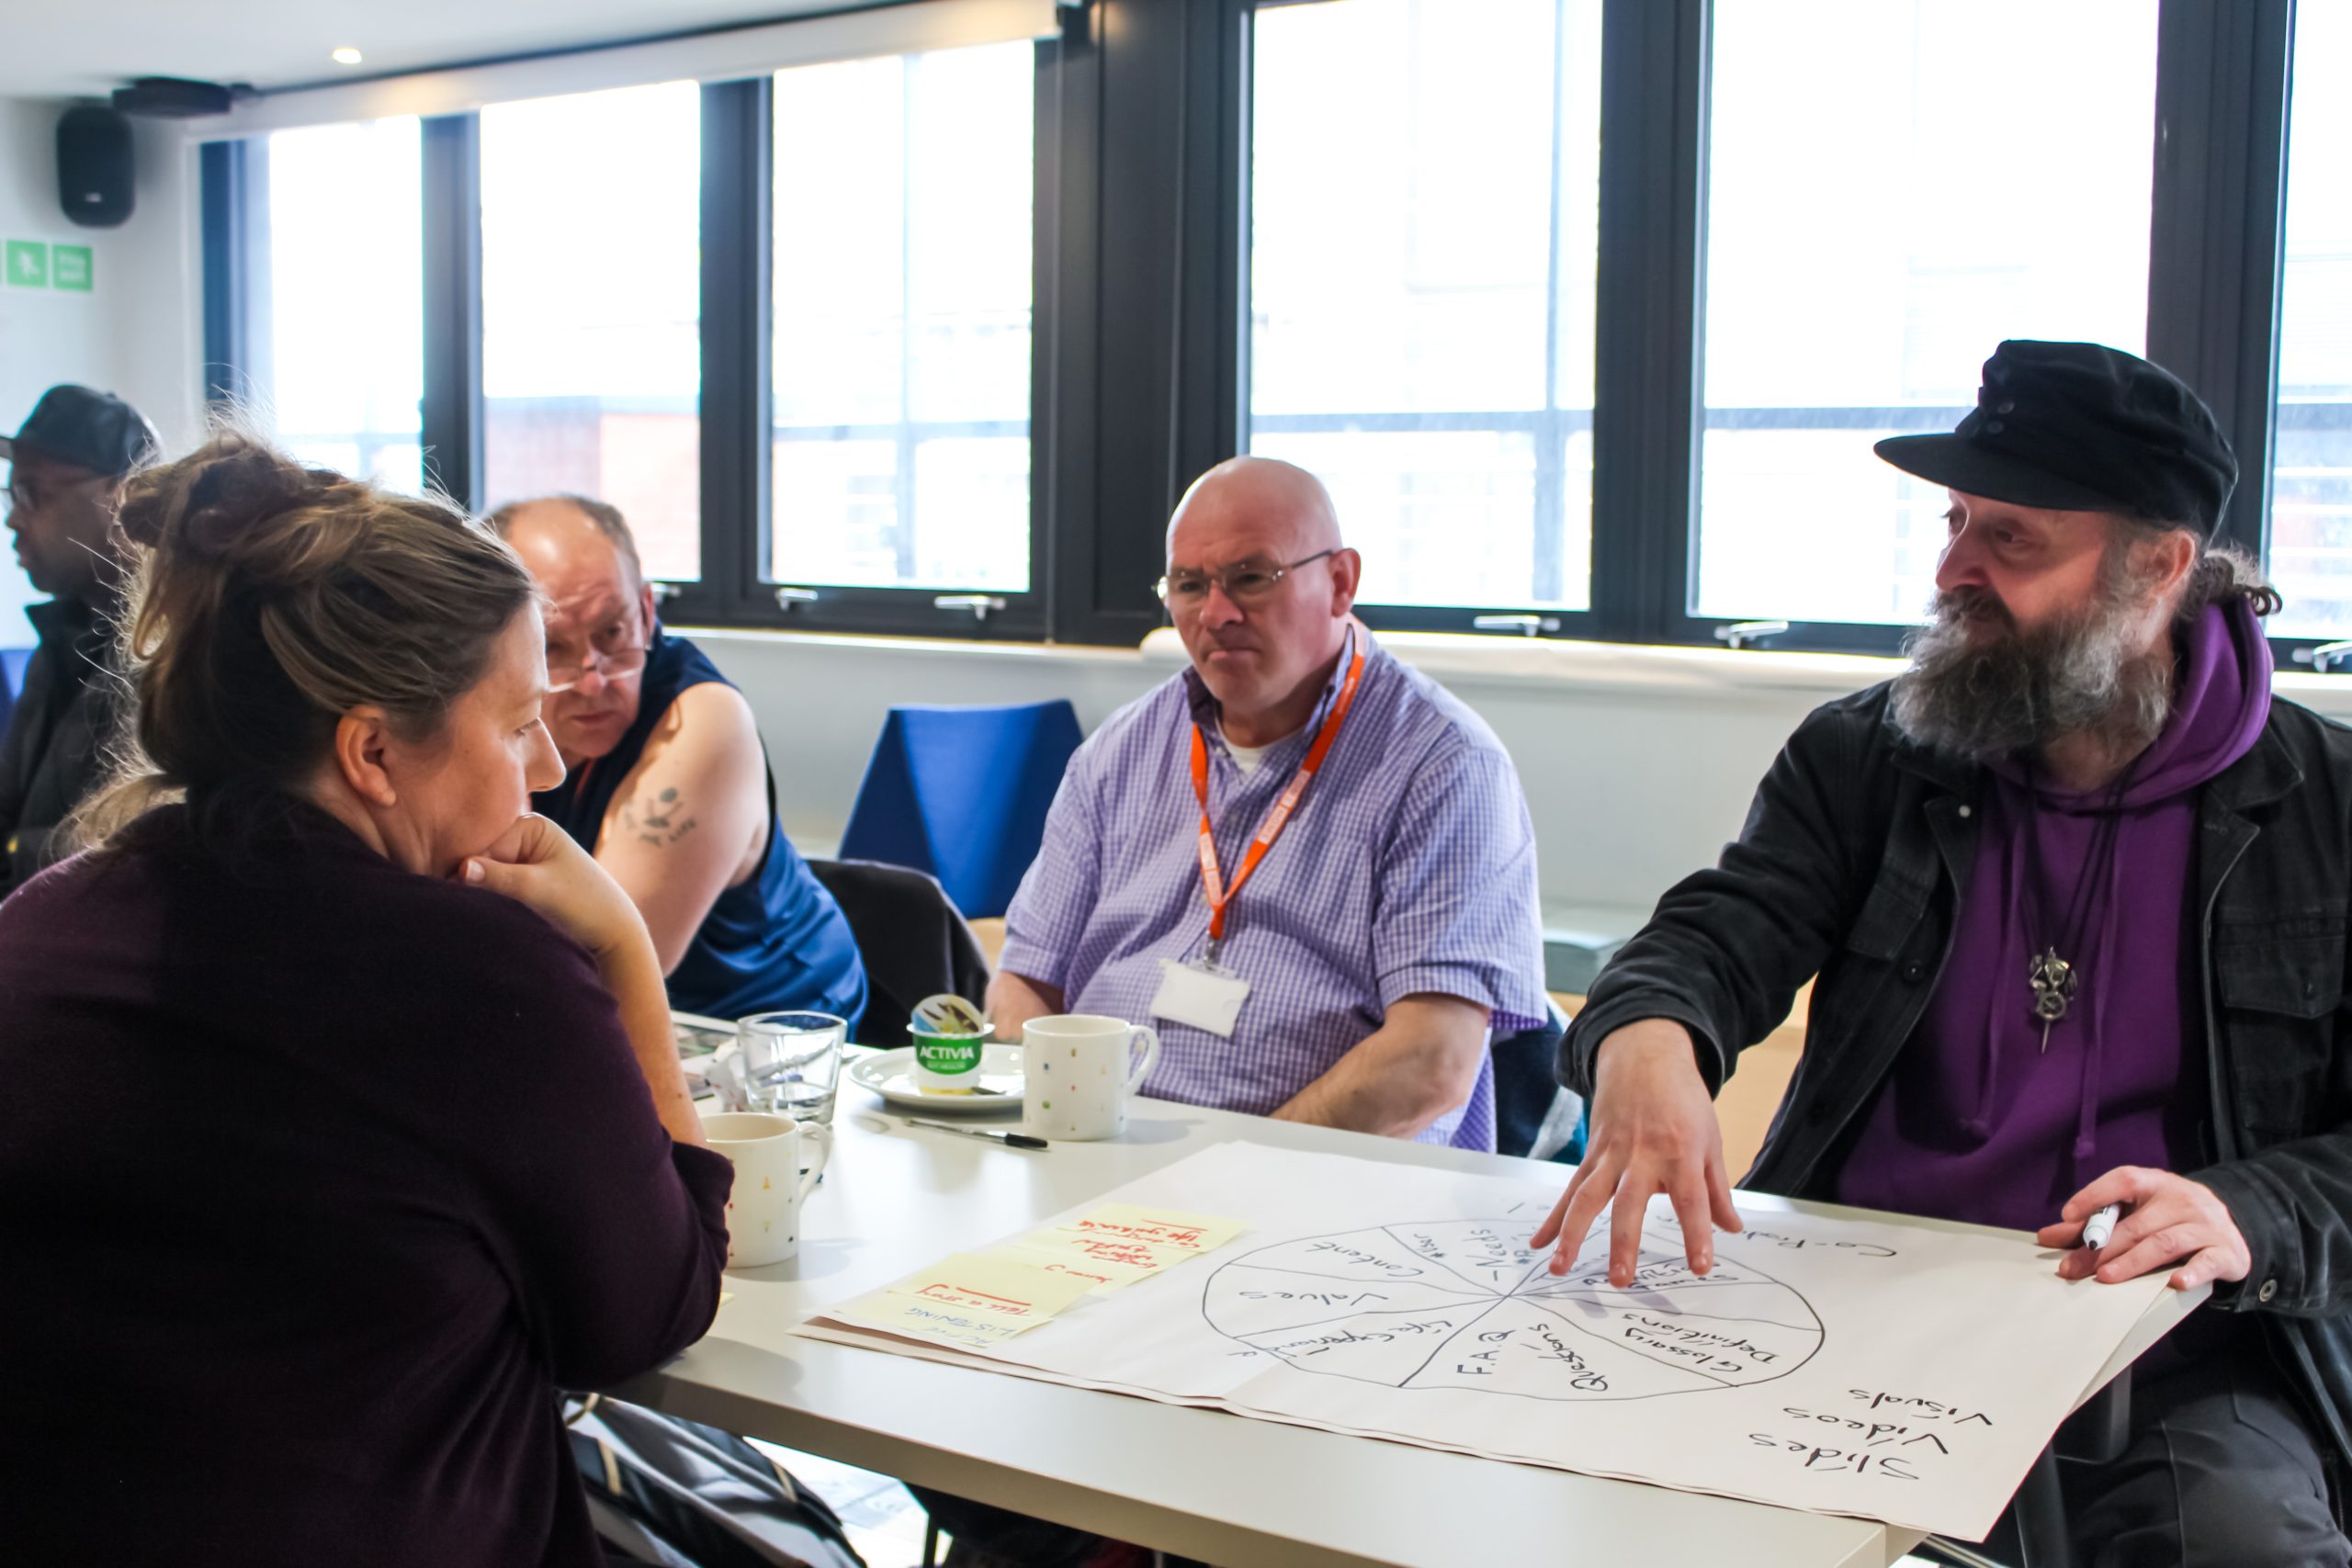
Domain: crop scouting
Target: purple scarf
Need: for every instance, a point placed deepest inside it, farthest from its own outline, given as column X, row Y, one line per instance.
column 1976, row 1121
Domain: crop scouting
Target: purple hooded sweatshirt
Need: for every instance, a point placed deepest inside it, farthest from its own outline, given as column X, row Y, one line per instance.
column 1976, row 1121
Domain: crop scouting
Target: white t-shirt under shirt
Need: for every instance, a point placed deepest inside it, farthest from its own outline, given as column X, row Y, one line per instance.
column 1246, row 758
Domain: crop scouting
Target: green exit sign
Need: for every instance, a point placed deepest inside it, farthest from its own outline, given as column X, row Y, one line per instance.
column 30, row 263
column 27, row 264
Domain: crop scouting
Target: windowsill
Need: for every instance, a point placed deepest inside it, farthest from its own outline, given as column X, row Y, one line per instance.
column 920, row 648
column 1623, row 668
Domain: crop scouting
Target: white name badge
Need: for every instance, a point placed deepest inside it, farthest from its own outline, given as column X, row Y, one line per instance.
column 1205, row 998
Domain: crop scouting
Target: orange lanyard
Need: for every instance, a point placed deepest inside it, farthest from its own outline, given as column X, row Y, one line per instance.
column 1212, row 879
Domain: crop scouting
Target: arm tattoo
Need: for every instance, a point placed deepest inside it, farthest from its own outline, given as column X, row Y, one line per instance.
column 661, row 821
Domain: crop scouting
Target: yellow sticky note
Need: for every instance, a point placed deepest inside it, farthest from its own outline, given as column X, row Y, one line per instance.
column 1101, row 1274
column 1105, row 1248
column 1163, row 1227
column 912, row 1318
column 1007, row 1289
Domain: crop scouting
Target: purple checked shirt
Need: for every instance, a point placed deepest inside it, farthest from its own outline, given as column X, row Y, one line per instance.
column 1408, row 867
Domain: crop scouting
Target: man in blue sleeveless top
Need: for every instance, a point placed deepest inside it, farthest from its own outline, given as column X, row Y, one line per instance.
column 668, row 783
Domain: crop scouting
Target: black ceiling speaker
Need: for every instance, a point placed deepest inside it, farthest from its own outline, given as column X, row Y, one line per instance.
column 172, row 97
column 94, row 166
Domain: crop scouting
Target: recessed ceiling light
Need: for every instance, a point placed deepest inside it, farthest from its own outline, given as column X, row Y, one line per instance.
column 345, row 56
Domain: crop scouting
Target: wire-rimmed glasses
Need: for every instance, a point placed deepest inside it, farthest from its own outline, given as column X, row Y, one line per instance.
column 1244, row 583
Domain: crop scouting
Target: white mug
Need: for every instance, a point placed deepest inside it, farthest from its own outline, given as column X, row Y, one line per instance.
column 1079, row 1073
column 764, row 1209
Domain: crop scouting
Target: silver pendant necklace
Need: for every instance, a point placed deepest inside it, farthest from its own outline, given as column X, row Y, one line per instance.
column 2053, row 979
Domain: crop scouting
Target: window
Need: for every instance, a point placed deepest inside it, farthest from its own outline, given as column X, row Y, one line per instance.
column 1894, row 189
column 903, row 268
column 592, row 351
column 337, row 347
column 2311, row 498
column 1424, row 200
column 1387, row 223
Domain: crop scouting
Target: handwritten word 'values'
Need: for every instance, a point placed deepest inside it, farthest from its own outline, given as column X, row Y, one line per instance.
column 1317, row 1297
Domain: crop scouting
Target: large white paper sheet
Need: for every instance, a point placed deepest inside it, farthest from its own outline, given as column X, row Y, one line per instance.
column 1846, row 1367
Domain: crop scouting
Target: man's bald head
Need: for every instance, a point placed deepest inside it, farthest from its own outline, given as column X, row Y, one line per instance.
column 1279, row 506
column 1261, row 590
column 568, row 528
column 580, row 553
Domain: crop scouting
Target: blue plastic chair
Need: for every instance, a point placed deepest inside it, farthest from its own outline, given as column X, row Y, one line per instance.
column 961, row 793
column 12, row 680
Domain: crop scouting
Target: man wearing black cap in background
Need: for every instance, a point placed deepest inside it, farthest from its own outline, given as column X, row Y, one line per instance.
column 2075, row 888
column 66, row 468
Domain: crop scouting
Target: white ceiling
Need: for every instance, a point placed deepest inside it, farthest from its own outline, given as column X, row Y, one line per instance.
column 57, row 49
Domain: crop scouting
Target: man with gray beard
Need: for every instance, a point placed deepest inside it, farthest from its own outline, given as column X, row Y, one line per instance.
column 2073, row 889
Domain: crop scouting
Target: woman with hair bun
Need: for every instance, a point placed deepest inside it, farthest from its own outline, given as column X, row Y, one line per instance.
column 344, row 1123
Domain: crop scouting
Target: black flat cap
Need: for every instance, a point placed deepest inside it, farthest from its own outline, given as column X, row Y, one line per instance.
column 96, row 431
column 2086, row 428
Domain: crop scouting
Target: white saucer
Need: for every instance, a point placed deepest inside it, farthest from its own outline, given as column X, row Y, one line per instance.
column 890, row 1074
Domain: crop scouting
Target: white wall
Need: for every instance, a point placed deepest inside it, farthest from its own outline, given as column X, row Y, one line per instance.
column 1638, row 763
column 137, row 333
column 1637, row 769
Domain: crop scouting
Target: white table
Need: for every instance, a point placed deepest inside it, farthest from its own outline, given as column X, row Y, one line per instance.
column 1225, row 1489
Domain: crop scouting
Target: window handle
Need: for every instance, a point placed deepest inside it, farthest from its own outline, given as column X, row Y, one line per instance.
column 980, row 605
column 2325, row 657
column 665, row 591
column 1748, row 634
column 786, row 598
column 1525, row 625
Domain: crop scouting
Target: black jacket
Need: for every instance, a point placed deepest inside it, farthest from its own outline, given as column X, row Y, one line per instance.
column 55, row 752
column 1851, row 864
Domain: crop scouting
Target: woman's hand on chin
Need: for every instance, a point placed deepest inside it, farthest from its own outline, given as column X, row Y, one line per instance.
column 540, row 866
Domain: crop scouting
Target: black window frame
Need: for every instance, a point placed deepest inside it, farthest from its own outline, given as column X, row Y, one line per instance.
column 1141, row 319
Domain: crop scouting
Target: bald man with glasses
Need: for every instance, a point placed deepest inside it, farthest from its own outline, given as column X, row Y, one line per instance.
column 1307, row 866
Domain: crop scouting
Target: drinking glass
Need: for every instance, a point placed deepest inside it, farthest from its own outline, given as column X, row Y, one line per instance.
column 792, row 1063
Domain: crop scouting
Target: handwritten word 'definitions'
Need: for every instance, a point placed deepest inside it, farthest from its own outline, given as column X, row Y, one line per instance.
column 1703, row 1348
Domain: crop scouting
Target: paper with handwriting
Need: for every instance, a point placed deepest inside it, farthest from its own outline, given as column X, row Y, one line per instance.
column 1838, row 1365
column 978, row 1299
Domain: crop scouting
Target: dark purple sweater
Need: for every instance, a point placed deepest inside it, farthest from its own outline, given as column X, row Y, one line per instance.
column 1977, row 1121
column 317, row 1179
